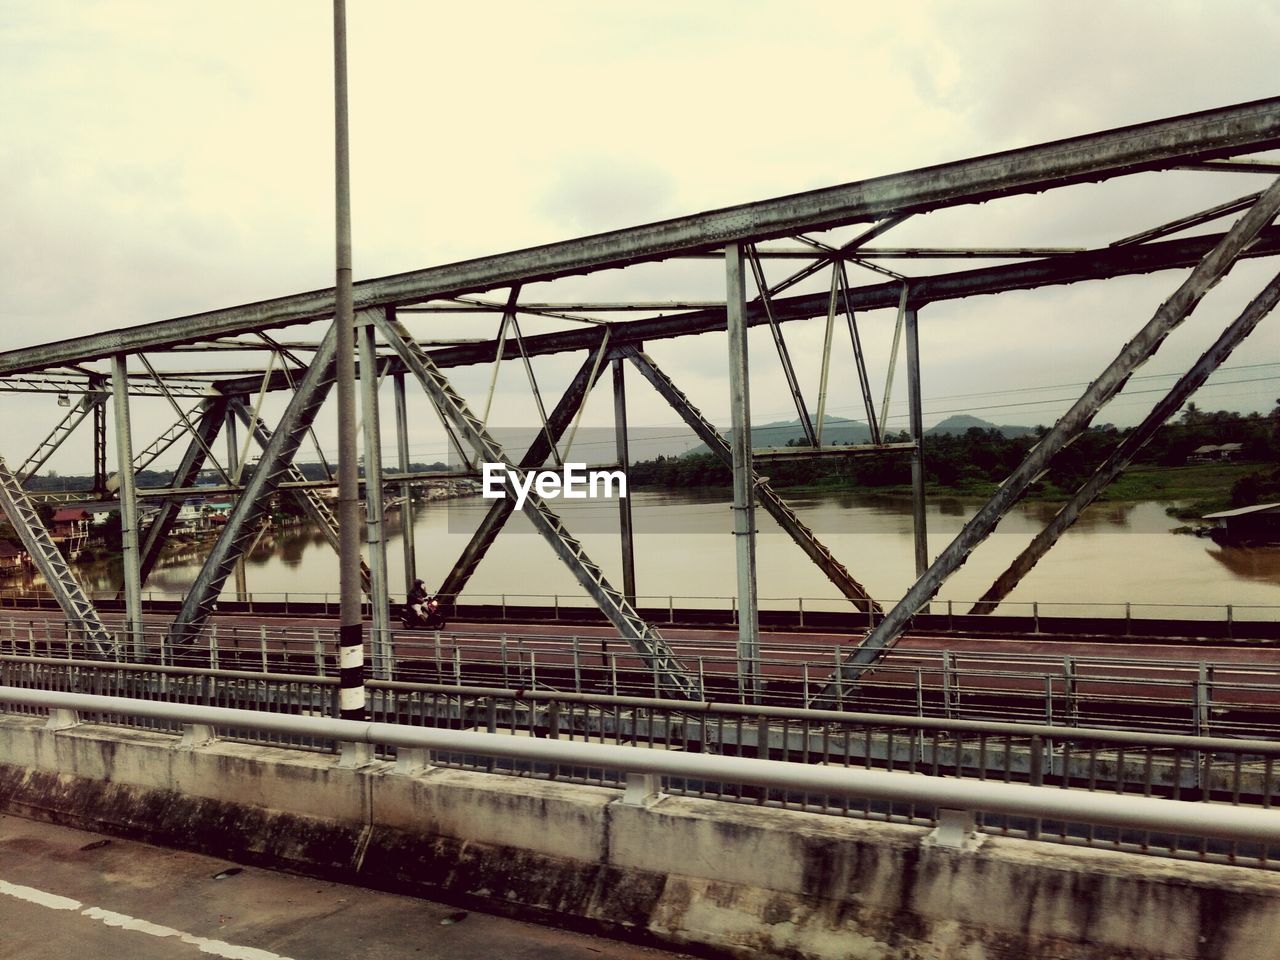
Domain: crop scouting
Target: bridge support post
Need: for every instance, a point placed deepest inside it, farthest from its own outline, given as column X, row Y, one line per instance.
column 99, row 441
column 61, row 718
column 197, row 735
column 412, row 760
column 744, row 525
column 918, row 527
column 131, row 561
column 956, row 829
column 642, row 789
column 352, row 755
column 406, row 488
column 625, row 529
column 376, row 541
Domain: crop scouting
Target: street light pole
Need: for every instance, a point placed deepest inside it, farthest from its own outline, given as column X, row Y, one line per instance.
column 351, row 700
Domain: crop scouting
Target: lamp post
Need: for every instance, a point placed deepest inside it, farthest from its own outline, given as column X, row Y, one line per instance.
column 351, row 700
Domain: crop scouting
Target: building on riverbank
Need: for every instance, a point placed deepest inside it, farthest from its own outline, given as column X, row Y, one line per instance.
column 1257, row 524
column 13, row 559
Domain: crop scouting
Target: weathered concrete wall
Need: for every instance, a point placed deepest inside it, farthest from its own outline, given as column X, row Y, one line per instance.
column 713, row 877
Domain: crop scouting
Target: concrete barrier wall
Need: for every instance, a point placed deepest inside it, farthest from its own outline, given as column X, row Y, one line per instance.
column 712, row 877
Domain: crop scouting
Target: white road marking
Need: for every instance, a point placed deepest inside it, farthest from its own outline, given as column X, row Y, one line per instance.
column 32, row 895
column 217, row 948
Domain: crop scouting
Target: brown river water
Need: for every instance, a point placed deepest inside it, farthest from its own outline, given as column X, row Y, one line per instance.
column 1117, row 553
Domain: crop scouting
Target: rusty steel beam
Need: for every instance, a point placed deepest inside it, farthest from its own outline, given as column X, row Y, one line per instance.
column 575, row 395
column 1131, row 446
column 211, row 415
column 1111, row 381
column 1098, row 264
column 1154, row 145
column 765, row 495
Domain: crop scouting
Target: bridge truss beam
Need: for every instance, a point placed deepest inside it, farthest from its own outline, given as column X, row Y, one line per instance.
column 670, row 674
column 81, row 615
column 210, row 417
column 1155, row 145
column 313, row 504
column 766, row 496
column 1131, row 446
column 1137, row 351
column 574, row 396
column 1210, row 140
column 253, row 504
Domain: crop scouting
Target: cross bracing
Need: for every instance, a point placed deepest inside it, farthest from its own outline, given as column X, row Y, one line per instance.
column 798, row 267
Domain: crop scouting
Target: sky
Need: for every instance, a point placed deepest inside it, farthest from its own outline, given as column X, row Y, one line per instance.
column 161, row 159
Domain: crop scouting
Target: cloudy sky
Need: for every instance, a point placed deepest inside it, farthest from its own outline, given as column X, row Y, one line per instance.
column 161, row 159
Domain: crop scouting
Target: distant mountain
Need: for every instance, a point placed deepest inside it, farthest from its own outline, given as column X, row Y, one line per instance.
column 963, row 422
column 776, row 434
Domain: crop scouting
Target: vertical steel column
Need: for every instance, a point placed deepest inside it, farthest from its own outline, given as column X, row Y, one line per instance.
column 625, row 528
column 233, row 449
column 233, row 468
column 744, row 518
column 406, row 488
column 351, row 702
column 917, row 437
column 381, row 645
column 128, row 505
column 99, row 442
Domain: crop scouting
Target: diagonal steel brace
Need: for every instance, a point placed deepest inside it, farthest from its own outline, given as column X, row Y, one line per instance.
column 1212, row 268
column 766, row 496
column 255, row 499
column 669, row 673
column 574, row 398
column 1131, row 446
column 75, row 603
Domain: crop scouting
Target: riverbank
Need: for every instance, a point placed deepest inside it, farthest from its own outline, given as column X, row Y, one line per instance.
column 1197, row 489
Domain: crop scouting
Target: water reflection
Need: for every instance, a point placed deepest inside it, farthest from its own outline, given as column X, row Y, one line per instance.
column 684, row 544
column 1251, row 563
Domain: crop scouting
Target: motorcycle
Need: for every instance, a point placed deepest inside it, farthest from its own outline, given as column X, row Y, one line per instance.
column 430, row 617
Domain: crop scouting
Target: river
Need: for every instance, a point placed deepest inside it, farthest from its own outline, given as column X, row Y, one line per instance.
column 1115, row 553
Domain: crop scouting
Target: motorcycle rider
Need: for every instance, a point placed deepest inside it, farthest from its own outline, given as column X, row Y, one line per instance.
column 418, row 599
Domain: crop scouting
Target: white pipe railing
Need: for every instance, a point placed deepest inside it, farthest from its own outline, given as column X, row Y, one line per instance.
column 1222, row 821
column 954, row 606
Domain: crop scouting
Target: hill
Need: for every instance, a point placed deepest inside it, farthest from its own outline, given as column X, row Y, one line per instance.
column 780, row 432
column 962, row 423
column 839, row 430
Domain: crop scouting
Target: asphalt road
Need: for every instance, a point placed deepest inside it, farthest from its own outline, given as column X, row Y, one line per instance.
column 62, row 897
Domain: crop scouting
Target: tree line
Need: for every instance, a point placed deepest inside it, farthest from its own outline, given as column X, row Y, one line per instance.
column 977, row 458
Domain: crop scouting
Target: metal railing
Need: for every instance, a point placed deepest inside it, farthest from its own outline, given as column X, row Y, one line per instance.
column 1208, row 771
column 1234, row 697
column 666, row 607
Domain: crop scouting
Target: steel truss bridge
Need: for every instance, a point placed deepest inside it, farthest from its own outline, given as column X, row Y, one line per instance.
column 820, row 239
